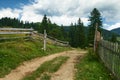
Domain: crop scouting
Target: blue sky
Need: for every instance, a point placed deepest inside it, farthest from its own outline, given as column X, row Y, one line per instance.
column 62, row 12
column 12, row 3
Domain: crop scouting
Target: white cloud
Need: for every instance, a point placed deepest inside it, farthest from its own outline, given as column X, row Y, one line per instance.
column 67, row 20
column 85, row 21
column 117, row 25
column 105, row 26
column 8, row 12
column 67, row 11
column 58, row 11
column 64, row 19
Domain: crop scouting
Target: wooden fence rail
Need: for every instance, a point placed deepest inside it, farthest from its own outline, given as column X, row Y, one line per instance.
column 28, row 33
column 110, row 55
column 16, row 29
column 54, row 40
column 13, row 31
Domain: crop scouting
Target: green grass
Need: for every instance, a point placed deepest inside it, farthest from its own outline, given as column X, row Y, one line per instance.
column 12, row 35
column 118, row 38
column 44, row 71
column 13, row 53
column 89, row 68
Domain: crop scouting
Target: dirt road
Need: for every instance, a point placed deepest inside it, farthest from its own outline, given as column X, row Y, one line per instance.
column 66, row 72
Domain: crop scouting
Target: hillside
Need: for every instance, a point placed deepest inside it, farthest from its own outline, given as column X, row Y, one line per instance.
column 117, row 30
column 13, row 53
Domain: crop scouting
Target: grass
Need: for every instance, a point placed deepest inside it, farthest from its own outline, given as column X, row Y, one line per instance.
column 118, row 38
column 11, row 35
column 44, row 71
column 89, row 68
column 13, row 53
column 45, row 77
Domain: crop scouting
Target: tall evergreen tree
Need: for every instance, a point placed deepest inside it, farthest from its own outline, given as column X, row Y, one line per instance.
column 80, row 34
column 71, row 35
column 63, row 32
column 95, row 18
column 77, row 35
column 49, row 26
column 44, row 24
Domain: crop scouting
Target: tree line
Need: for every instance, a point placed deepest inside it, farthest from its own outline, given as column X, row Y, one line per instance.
column 77, row 34
column 52, row 29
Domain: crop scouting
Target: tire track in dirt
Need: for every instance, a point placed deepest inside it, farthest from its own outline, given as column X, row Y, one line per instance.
column 29, row 66
column 67, row 70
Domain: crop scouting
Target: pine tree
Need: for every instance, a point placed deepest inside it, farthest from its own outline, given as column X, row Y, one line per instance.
column 71, row 35
column 77, row 35
column 80, row 34
column 44, row 24
column 95, row 18
column 63, row 32
column 113, row 38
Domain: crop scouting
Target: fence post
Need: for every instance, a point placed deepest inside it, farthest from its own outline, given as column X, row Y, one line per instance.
column 45, row 36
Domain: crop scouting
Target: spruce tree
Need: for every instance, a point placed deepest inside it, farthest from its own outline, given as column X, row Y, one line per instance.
column 71, row 35
column 44, row 24
column 80, row 34
column 95, row 18
column 77, row 35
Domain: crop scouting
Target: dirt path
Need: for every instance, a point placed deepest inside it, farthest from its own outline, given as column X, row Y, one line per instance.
column 67, row 70
column 30, row 66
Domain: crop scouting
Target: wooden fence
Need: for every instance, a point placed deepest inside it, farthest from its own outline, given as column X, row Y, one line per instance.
column 15, row 31
column 28, row 33
column 4, row 32
column 110, row 55
column 53, row 40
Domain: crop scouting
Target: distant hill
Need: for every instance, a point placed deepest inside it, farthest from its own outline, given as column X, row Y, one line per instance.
column 117, row 30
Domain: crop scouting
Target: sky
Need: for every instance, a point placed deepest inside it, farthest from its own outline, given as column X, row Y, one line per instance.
column 62, row 12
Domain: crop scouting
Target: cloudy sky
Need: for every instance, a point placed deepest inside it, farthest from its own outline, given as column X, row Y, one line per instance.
column 62, row 11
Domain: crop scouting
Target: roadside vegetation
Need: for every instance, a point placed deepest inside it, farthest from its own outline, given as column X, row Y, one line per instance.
column 46, row 69
column 90, row 68
column 13, row 53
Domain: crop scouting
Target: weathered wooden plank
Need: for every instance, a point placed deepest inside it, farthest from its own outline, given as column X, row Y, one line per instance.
column 17, row 29
column 15, row 32
column 110, row 54
column 10, row 31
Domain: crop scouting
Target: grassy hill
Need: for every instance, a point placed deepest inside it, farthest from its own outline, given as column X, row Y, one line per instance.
column 13, row 53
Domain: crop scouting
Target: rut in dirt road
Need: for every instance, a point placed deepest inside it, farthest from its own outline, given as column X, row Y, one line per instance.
column 67, row 70
column 30, row 66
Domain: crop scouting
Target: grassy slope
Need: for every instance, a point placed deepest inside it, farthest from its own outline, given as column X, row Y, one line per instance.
column 11, row 35
column 89, row 68
column 47, row 68
column 15, row 52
